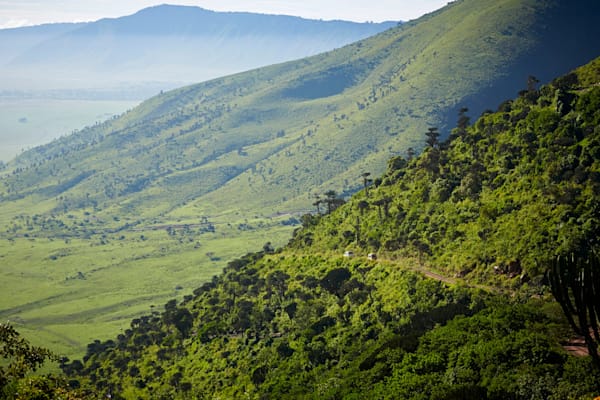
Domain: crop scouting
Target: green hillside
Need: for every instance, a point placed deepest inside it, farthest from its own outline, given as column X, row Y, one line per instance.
column 515, row 190
column 107, row 223
column 305, row 322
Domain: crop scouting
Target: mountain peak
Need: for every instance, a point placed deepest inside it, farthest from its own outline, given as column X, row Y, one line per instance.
column 172, row 43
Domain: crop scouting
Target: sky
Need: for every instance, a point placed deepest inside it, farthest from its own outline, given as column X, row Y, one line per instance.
column 16, row 13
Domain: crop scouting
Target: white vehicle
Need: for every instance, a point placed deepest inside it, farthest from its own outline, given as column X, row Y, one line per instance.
column 348, row 253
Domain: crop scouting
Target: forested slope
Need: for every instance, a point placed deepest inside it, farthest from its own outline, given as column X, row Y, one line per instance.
column 517, row 188
column 514, row 189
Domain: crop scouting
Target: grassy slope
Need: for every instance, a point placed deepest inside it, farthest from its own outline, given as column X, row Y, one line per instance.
column 240, row 149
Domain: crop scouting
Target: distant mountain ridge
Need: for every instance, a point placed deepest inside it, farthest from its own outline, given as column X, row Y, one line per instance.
column 170, row 44
column 171, row 19
column 13, row 41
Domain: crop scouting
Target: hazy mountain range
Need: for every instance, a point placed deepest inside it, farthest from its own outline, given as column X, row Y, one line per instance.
column 46, row 71
column 168, row 44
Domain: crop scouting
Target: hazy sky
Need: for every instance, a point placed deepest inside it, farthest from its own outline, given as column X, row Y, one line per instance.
column 14, row 13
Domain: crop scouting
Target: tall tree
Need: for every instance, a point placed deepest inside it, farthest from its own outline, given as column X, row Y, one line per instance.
column 385, row 203
column 463, row 119
column 433, row 135
column 317, row 203
column 461, row 125
column 366, row 182
column 332, row 200
column 575, row 284
column 362, row 206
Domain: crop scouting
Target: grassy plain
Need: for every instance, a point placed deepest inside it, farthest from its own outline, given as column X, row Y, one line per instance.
column 81, row 289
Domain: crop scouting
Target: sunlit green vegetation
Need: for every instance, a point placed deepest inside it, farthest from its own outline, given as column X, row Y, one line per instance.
column 308, row 321
column 82, row 288
column 469, row 205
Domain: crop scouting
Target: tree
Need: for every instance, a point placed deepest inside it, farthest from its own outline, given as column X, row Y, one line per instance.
column 461, row 126
column 18, row 359
column 332, row 201
column 334, row 279
column 575, row 284
column 396, row 163
column 432, row 137
column 531, row 94
column 278, row 280
column 317, row 203
column 181, row 317
column 385, row 203
column 463, row 119
column 366, row 181
column 357, row 230
column 362, row 206
column 268, row 248
column 532, row 82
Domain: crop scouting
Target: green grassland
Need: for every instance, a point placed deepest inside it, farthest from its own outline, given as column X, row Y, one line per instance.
column 81, row 289
column 27, row 123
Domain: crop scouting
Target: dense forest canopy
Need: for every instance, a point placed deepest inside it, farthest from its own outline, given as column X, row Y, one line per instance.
column 513, row 191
